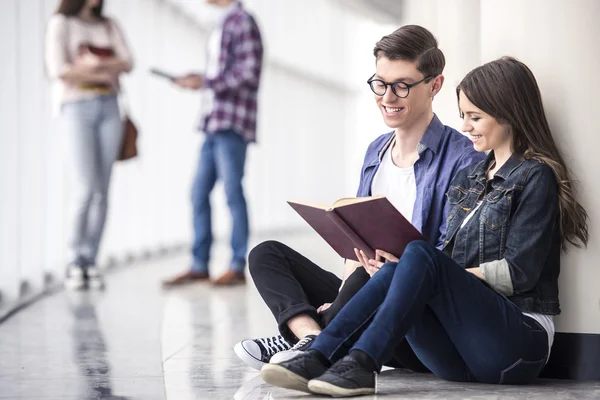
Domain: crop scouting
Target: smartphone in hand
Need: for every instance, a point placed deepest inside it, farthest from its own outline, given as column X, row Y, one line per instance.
column 163, row 74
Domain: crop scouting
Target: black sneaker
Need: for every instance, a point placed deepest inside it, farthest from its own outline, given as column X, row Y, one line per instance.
column 296, row 350
column 258, row 352
column 294, row 373
column 345, row 378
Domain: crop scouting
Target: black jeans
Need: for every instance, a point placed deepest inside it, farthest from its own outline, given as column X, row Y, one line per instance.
column 291, row 285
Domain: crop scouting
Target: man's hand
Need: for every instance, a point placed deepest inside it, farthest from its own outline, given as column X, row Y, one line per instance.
column 190, row 81
column 372, row 266
column 323, row 307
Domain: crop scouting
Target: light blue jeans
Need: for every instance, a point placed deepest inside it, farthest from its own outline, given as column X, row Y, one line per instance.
column 93, row 133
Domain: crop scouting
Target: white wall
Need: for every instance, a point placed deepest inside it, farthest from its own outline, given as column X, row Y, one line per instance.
column 558, row 40
column 307, row 123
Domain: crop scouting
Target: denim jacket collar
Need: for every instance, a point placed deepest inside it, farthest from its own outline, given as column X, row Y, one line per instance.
column 479, row 173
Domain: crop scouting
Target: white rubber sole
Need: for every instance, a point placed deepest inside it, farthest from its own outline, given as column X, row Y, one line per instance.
column 72, row 284
column 278, row 376
column 96, row 284
column 246, row 357
column 320, row 387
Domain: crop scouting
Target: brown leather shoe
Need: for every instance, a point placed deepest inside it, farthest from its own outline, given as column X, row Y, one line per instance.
column 230, row 278
column 186, row 277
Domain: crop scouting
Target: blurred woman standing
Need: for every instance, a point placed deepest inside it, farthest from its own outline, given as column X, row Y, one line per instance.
column 86, row 53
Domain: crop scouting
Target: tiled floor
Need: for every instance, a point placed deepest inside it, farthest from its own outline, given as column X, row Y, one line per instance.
column 135, row 341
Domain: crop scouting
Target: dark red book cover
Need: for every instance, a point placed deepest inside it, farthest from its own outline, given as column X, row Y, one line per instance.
column 367, row 223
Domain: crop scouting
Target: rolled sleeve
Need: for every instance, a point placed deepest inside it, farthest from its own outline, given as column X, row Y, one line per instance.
column 497, row 274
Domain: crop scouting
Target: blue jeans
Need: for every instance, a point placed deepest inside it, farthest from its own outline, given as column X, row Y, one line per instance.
column 94, row 132
column 222, row 156
column 459, row 328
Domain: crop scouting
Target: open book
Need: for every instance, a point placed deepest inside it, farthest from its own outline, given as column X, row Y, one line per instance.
column 365, row 223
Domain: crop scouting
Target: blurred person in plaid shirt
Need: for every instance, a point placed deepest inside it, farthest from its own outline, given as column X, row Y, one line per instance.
column 230, row 90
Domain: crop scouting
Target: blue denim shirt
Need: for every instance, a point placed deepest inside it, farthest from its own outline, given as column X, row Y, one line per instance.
column 443, row 152
column 514, row 235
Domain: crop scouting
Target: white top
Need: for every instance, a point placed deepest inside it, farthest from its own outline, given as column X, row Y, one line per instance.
column 397, row 184
column 213, row 53
column 212, row 66
column 63, row 37
column 546, row 321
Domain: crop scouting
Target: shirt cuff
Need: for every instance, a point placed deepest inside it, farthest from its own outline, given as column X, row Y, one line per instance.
column 209, row 83
column 497, row 274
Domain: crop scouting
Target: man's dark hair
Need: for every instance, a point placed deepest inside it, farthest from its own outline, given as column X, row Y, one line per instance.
column 413, row 43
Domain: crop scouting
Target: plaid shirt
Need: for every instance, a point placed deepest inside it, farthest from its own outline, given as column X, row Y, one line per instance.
column 235, row 87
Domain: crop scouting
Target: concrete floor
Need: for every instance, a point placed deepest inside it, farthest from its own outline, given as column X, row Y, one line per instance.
column 136, row 341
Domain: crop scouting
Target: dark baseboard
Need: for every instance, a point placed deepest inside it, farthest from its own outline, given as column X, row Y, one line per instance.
column 574, row 356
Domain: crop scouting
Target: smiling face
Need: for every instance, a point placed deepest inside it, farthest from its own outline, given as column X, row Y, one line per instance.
column 485, row 131
column 403, row 112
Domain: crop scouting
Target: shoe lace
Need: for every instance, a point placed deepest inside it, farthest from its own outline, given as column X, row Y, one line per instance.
column 303, row 343
column 274, row 344
column 343, row 366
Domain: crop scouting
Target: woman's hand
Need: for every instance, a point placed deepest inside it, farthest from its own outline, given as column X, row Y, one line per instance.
column 89, row 60
column 477, row 272
column 323, row 307
column 372, row 266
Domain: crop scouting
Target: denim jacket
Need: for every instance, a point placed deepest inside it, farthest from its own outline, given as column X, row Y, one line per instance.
column 514, row 236
column 443, row 152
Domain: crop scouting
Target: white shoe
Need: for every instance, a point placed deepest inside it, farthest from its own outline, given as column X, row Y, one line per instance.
column 94, row 277
column 258, row 352
column 297, row 349
column 75, row 279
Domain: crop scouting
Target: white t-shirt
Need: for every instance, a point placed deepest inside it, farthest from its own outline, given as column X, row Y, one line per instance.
column 213, row 54
column 397, row 184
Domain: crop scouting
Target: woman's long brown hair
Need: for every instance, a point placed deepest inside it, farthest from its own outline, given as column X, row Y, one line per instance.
column 507, row 90
column 72, row 8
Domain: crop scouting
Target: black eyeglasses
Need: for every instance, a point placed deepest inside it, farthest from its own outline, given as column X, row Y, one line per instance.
column 400, row 89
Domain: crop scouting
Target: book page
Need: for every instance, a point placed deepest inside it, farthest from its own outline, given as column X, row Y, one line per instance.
column 313, row 205
column 354, row 200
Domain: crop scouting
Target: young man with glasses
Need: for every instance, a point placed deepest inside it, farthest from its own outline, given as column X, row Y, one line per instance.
column 412, row 166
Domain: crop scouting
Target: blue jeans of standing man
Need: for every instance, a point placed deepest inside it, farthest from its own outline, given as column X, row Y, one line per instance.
column 94, row 132
column 222, row 157
column 459, row 328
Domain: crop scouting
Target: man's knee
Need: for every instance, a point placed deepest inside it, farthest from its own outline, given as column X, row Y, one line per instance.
column 258, row 253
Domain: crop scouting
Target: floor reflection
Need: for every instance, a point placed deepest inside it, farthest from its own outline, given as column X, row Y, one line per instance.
column 253, row 389
column 208, row 321
column 89, row 347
